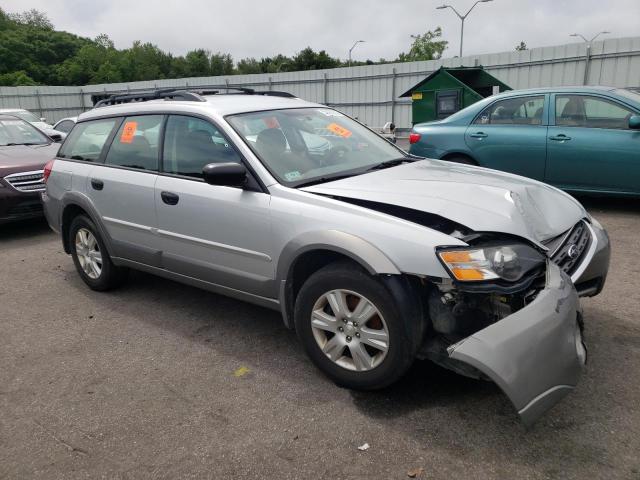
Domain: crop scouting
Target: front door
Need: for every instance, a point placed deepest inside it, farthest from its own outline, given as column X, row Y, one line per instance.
column 218, row 234
column 591, row 147
column 511, row 135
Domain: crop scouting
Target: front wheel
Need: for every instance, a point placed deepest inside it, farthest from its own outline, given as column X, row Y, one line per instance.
column 351, row 328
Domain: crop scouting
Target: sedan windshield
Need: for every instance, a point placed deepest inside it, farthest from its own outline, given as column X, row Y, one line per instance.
column 19, row 132
column 313, row 145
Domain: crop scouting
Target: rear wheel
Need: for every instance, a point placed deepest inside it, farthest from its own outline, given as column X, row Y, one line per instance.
column 91, row 258
column 351, row 329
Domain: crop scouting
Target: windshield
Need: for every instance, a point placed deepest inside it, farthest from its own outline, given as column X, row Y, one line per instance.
column 303, row 145
column 18, row 132
column 26, row 116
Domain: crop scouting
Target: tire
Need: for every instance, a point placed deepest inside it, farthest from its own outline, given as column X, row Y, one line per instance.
column 461, row 159
column 102, row 274
column 347, row 282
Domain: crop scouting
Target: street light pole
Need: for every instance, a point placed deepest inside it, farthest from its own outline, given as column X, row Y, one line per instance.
column 587, row 55
column 351, row 49
column 462, row 17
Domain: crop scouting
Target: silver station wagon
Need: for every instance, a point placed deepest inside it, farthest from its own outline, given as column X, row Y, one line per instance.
column 375, row 257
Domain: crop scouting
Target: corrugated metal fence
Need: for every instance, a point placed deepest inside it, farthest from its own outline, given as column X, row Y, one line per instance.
column 371, row 92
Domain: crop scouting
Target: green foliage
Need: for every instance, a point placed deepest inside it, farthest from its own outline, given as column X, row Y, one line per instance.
column 32, row 52
column 425, row 47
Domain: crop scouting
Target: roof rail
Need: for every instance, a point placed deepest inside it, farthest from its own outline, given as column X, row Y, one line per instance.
column 188, row 94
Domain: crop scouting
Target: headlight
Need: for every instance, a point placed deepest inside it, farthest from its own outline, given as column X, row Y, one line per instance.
column 507, row 262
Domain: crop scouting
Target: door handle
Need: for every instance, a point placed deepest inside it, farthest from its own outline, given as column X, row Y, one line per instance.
column 170, row 198
column 97, row 184
column 560, row 138
column 478, row 135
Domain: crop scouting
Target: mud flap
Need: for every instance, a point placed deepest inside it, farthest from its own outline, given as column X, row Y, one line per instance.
column 534, row 355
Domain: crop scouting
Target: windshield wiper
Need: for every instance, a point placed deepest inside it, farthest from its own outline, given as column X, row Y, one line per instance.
column 392, row 163
column 316, row 181
column 12, row 144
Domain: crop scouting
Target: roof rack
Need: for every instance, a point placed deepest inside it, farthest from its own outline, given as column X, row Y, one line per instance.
column 184, row 93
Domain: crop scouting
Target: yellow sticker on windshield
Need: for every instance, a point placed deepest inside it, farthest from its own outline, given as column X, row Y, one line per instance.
column 338, row 130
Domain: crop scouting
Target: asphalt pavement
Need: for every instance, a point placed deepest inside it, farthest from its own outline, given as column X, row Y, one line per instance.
column 161, row 380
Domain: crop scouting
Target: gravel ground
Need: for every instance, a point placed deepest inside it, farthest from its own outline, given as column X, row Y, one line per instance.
column 161, row 380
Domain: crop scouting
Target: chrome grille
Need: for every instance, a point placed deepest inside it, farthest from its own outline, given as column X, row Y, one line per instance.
column 569, row 255
column 27, row 181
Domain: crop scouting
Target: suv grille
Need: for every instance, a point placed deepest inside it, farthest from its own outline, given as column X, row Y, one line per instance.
column 569, row 255
column 27, row 181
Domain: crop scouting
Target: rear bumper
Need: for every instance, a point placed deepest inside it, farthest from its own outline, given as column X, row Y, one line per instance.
column 534, row 355
column 51, row 212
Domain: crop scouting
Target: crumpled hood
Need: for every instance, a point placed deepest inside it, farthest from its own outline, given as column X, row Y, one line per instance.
column 481, row 199
column 24, row 158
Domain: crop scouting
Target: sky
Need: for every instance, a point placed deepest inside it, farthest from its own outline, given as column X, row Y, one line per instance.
column 254, row 28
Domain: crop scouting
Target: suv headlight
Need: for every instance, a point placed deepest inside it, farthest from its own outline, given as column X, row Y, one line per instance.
column 508, row 262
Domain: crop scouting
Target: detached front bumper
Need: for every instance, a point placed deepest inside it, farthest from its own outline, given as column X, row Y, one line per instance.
column 534, row 355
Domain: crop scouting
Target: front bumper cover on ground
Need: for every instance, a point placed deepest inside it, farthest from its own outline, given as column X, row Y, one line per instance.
column 534, row 355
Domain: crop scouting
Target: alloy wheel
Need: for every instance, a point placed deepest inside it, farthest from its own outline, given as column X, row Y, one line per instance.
column 88, row 252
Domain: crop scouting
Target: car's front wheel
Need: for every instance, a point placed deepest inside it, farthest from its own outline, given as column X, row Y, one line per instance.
column 350, row 326
column 91, row 258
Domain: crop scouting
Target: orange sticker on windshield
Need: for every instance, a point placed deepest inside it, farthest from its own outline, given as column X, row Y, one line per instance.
column 271, row 122
column 128, row 132
column 338, row 130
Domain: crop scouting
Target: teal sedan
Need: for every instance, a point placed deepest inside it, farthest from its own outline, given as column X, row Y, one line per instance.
column 580, row 139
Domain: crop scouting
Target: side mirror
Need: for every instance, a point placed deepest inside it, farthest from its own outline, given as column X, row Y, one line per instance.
column 634, row 122
column 227, row 174
column 56, row 137
column 42, row 119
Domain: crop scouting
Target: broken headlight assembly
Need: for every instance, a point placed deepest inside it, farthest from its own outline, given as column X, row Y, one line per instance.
column 507, row 262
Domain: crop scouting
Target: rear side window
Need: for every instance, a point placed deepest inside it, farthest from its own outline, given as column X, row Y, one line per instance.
column 136, row 143
column 191, row 143
column 87, row 139
column 513, row 111
column 590, row 112
column 65, row 126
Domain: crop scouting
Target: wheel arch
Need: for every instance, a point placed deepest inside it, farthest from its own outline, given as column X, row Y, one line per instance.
column 75, row 204
column 311, row 251
column 454, row 154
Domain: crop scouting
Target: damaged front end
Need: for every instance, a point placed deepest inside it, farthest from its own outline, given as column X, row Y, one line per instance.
column 510, row 315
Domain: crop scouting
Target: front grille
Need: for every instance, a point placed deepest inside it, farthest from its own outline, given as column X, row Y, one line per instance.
column 27, row 181
column 570, row 254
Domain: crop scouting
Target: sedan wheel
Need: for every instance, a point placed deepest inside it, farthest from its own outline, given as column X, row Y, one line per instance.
column 350, row 330
column 88, row 252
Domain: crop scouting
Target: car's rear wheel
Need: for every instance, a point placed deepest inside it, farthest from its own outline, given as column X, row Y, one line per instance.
column 91, row 258
column 351, row 328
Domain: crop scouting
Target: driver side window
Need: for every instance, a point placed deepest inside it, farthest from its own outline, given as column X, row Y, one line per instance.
column 191, row 143
column 513, row 111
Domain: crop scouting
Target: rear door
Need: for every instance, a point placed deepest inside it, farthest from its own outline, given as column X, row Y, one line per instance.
column 218, row 234
column 122, row 189
column 511, row 135
column 591, row 146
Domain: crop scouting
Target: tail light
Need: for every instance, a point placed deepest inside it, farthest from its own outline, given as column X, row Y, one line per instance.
column 414, row 138
column 47, row 171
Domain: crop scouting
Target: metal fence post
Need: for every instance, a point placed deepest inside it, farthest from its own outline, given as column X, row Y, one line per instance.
column 324, row 88
column 269, row 86
column 81, row 101
column 393, row 96
column 587, row 64
column 39, row 101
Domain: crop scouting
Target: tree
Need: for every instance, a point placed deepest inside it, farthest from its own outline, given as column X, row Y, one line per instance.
column 425, row 47
column 16, row 79
column 521, row 47
column 32, row 18
column 221, row 64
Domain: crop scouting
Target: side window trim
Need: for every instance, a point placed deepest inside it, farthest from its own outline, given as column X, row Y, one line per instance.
column 545, row 111
column 107, row 145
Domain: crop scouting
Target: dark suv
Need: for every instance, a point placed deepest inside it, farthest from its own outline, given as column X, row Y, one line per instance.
column 24, row 150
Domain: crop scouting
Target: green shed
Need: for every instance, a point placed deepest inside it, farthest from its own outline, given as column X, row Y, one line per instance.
column 448, row 90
